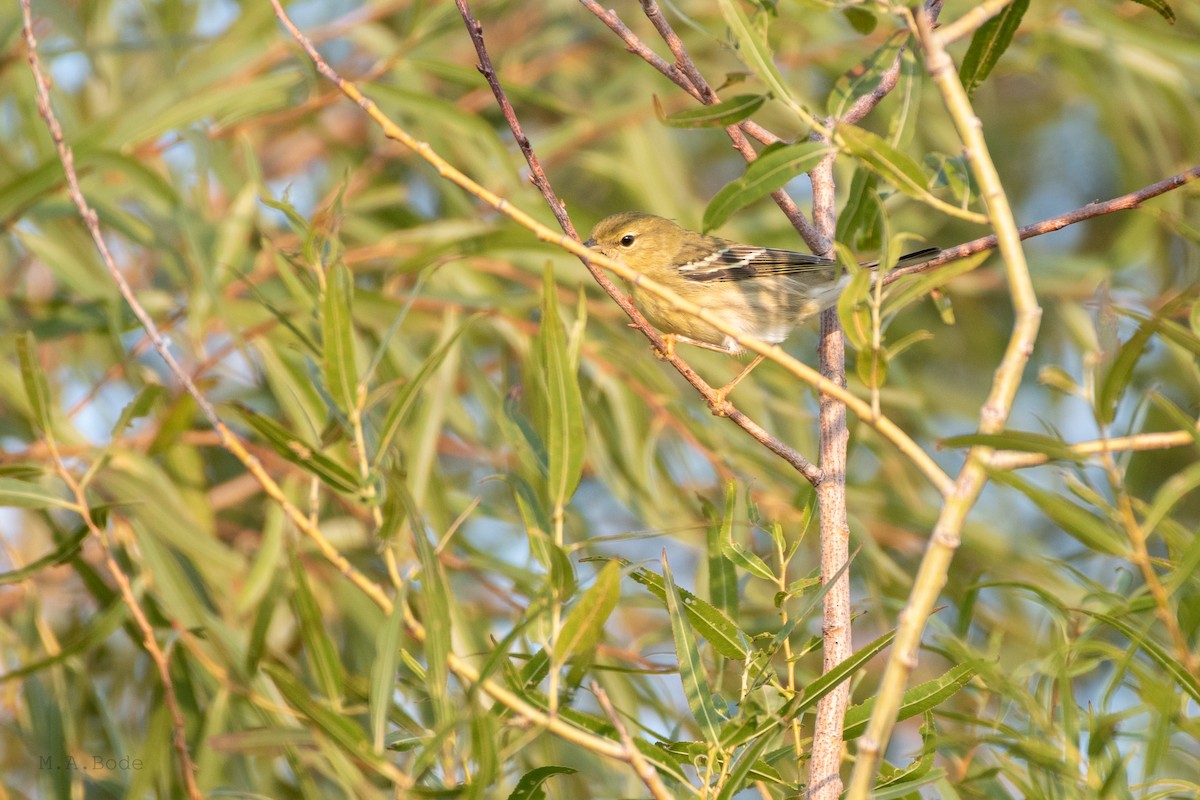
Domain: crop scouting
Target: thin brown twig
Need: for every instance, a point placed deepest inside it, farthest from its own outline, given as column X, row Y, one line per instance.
column 187, row 767
column 640, row 765
column 828, row 744
column 708, row 96
column 1091, row 210
column 542, row 182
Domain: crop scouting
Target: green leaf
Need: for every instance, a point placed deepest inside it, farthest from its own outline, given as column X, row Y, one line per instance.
column 319, row 648
column 756, row 54
column 22, row 494
column 893, row 165
column 1120, row 372
column 721, row 115
column 917, row 700
column 300, row 452
column 585, row 624
column 339, row 727
column 735, row 552
column 1022, row 441
column 722, row 576
column 858, row 226
column 530, row 785
column 691, row 671
column 861, row 19
column 435, row 591
column 1184, row 678
column 746, row 762
column 777, row 165
column 65, row 550
column 99, row 627
column 854, row 313
column 37, row 390
column 1094, row 532
column 383, row 673
column 337, row 327
column 1161, row 7
column 989, row 43
column 712, row 624
column 564, row 434
column 406, row 397
column 139, row 406
column 825, row 684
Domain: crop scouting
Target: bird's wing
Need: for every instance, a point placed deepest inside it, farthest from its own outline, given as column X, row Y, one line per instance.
column 740, row 262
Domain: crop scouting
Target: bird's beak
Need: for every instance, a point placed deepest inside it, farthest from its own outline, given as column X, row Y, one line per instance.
column 590, row 243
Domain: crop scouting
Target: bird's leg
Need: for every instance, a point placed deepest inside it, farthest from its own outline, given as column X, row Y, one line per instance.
column 719, row 405
column 672, row 339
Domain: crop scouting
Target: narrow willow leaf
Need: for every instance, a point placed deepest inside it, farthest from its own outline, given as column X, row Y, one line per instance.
column 585, row 624
column 406, row 397
column 895, row 166
column 1023, row 441
column 537, row 528
column 691, row 671
column 435, row 591
column 22, row 494
column 858, row 224
column 862, row 20
column 722, row 576
column 989, row 43
column 1161, row 7
column 47, row 736
column 37, row 390
column 855, row 315
column 139, row 406
column 735, row 552
column 721, row 115
column 1090, row 530
column 300, row 452
column 757, row 55
column 99, row 627
column 1120, row 372
column 341, row 729
column 666, row 762
column 747, row 760
column 337, row 327
column 564, row 435
column 710, row 622
column 917, row 700
column 530, row 785
column 909, row 290
column 1184, row 678
column 58, row 555
column 383, row 674
column 823, row 685
column 256, row 648
column 319, row 648
column 777, row 165
column 920, row 772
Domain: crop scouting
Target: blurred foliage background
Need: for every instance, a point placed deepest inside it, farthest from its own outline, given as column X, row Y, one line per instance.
column 234, row 185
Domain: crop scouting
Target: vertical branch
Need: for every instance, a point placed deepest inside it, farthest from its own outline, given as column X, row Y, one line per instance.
column 947, row 531
column 824, row 770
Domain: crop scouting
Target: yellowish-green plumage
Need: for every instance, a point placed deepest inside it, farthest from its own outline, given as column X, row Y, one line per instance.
column 760, row 291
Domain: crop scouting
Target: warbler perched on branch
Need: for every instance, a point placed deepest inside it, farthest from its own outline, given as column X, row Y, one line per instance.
column 759, row 291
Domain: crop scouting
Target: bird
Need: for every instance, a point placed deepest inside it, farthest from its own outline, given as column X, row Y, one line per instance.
column 762, row 292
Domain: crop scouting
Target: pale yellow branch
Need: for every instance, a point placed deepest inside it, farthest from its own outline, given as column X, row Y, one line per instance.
column 935, row 565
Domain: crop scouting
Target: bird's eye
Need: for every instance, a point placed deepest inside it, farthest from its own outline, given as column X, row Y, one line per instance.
column 627, row 240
